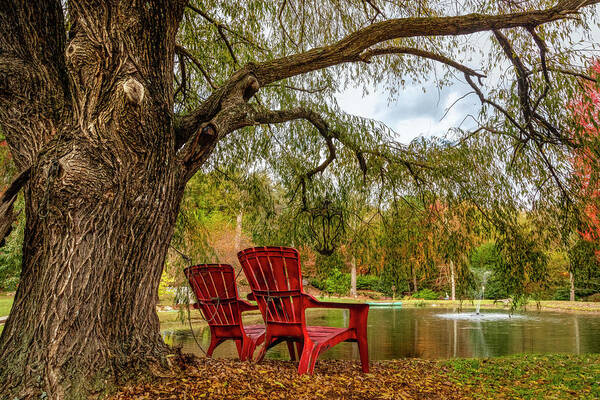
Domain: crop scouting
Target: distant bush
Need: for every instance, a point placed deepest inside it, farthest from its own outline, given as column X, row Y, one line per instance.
column 10, row 253
column 426, row 294
column 593, row 298
column 339, row 283
column 367, row 282
column 335, row 283
column 564, row 292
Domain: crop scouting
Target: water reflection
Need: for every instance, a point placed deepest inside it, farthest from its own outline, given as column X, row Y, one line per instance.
column 429, row 333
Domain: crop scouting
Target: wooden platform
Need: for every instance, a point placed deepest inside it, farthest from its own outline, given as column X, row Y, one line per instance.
column 3, row 319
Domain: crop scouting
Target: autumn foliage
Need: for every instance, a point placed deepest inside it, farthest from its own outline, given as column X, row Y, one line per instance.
column 585, row 161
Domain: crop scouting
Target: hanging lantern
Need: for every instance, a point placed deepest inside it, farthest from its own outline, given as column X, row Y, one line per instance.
column 326, row 226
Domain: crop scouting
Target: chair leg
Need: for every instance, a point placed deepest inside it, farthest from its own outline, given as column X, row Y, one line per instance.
column 305, row 359
column 313, row 359
column 290, row 346
column 266, row 344
column 363, row 349
column 214, row 342
column 250, row 350
column 299, row 346
column 239, row 344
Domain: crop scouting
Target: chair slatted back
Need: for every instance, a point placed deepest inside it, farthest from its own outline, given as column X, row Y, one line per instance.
column 216, row 292
column 275, row 278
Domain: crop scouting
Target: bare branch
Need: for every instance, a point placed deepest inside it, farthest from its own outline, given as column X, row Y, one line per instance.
column 299, row 89
column 374, row 6
column 227, row 44
column 182, row 50
column 368, row 54
column 564, row 71
column 530, row 113
column 543, row 51
column 282, row 25
column 221, row 28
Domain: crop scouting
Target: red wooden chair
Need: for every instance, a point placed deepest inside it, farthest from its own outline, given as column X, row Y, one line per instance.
column 275, row 277
column 217, row 295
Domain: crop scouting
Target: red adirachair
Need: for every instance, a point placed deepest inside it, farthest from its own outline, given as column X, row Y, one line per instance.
column 217, row 295
column 275, row 278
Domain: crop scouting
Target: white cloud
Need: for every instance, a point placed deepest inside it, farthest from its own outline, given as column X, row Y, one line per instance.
column 413, row 113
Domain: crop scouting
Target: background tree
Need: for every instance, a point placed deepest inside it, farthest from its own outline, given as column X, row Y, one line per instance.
column 110, row 108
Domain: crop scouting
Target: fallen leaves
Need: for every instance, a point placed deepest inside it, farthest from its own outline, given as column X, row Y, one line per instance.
column 333, row 379
column 514, row 377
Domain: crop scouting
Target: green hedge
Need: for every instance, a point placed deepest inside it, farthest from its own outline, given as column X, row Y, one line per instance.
column 426, row 294
column 367, row 282
column 339, row 283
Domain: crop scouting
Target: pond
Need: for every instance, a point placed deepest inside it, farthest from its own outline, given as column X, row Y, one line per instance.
column 436, row 333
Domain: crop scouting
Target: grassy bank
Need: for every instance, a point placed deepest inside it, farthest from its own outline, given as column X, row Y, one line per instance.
column 544, row 305
column 5, row 305
column 514, row 377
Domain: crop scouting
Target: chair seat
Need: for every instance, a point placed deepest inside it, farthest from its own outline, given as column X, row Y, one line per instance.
column 254, row 331
column 322, row 334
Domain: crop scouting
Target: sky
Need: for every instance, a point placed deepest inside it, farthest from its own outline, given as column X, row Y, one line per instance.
column 412, row 112
column 415, row 113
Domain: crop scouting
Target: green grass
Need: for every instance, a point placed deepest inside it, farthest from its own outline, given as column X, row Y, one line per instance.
column 5, row 305
column 528, row 376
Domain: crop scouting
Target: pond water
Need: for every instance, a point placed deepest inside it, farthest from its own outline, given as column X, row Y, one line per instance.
column 436, row 333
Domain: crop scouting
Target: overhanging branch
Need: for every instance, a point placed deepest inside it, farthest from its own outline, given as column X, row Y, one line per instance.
column 350, row 49
column 368, row 54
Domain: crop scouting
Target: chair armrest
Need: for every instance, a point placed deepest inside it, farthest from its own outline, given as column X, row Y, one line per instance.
column 245, row 306
column 359, row 312
column 311, row 302
column 250, row 296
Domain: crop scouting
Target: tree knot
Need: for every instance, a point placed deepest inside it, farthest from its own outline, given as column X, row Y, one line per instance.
column 251, row 86
column 134, row 91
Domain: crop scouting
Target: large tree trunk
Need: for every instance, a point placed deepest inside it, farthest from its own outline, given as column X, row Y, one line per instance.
column 85, row 307
column 101, row 203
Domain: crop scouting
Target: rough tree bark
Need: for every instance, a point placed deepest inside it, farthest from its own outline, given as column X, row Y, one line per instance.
column 91, row 117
